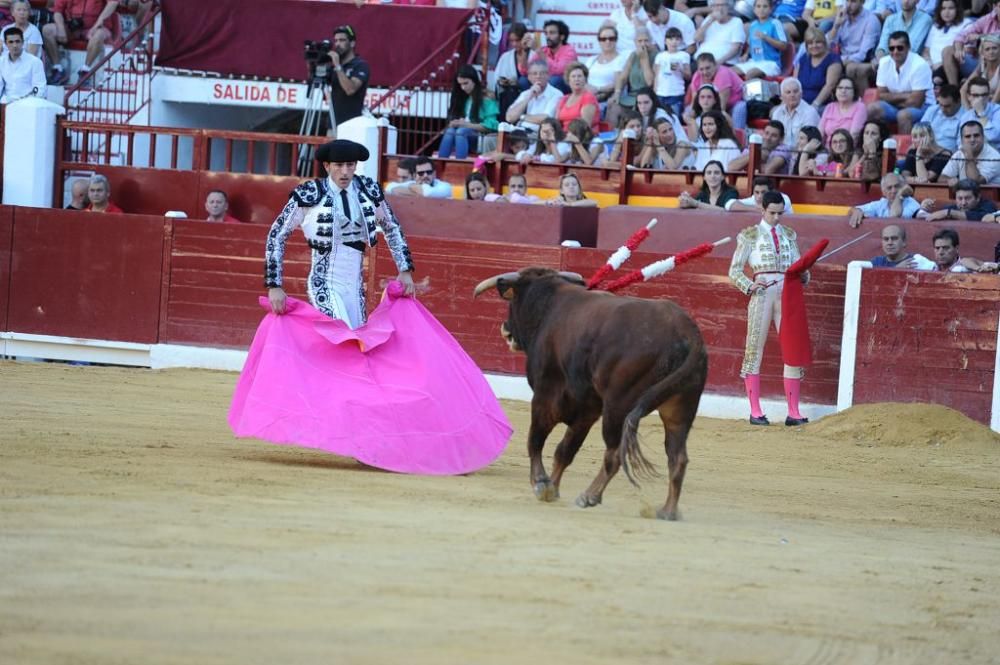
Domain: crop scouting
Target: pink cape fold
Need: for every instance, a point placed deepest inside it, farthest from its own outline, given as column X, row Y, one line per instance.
column 399, row 393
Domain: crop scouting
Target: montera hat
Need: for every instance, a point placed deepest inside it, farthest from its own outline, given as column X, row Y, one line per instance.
column 341, row 150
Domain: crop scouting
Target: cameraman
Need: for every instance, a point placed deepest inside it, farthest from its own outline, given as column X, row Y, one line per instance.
column 349, row 81
column 78, row 20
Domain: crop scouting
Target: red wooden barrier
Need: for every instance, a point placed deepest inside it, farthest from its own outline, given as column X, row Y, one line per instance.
column 86, row 275
column 255, row 199
column 6, row 241
column 928, row 337
column 215, row 278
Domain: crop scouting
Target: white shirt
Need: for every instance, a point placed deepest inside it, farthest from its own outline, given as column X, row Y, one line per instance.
column 939, row 38
column 724, row 152
column 804, row 115
column 915, row 74
column 670, row 82
column 438, row 189
column 625, row 28
column 21, row 78
column 682, row 22
column 603, row 74
column 544, row 103
column 720, row 37
column 749, row 201
column 988, row 164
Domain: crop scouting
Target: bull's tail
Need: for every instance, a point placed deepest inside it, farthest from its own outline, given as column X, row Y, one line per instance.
column 634, row 462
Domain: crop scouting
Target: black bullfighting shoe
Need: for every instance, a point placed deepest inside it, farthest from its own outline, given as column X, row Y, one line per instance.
column 762, row 420
column 795, row 422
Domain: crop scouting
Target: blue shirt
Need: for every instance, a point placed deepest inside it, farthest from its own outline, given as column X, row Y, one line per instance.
column 990, row 122
column 856, row 38
column 918, row 28
column 814, row 78
column 761, row 49
column 896, row 7
column 880, row 208
column 945, row 128
column 790, row 8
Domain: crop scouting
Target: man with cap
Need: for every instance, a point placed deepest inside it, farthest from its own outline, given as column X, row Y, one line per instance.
column 339, row 216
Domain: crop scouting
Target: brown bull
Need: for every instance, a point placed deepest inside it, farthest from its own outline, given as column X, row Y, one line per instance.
column 595, row 355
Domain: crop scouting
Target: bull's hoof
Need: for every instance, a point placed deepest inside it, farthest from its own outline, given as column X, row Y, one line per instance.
column 669, row 515
column 588, row 501
column 546, row 491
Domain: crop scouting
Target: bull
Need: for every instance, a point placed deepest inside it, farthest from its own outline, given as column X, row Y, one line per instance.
column 592, row 354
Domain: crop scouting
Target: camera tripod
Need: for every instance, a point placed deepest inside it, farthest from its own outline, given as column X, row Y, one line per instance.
column 312, row 121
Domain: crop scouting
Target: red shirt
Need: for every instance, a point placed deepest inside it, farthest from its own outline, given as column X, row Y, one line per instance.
column 111, row 208
column 88, row 10
column 228, row 219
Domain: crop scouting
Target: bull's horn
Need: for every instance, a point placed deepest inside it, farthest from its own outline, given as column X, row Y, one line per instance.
column 572, row 276
column 492, row 282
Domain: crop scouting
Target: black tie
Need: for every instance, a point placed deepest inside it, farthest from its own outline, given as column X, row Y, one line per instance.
column 343, row 201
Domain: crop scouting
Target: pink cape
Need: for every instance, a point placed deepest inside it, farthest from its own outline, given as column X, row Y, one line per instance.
column 398, row 393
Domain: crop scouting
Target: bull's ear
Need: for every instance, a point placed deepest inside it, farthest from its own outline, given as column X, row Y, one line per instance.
column 505, row 289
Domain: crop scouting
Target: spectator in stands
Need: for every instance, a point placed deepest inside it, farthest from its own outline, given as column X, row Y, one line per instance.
column 696, row 10
column 716, row 141
column 579, row 102
column 217, row 207
column 672, row 70
column 946, row 254
column 629, row 129
column 662, row 18
column 351, row 72
column 818, row 70
column 855, row 33
column 21, row 11
column 978, row 106
column 571, row 193
column 809, row 152
column 516, row 148
column 536, row 103
column 626, row 18
column 925, row 160
column 944, row 116
column 957, row 63
column 512, row 67
column 988, row 68
column 404, row 174
column 910, row 20
column 715, row 192
column 976, row 160
column 789, row 12
column 754, row 202
column 636, row 75
column 99, row 193
column 897, row 201
column 775, row 156
column 663, row 149
column 585, row 148
column 557, row 52
column 477, row 188
column 425, row 183
column 21, row 74
column 517, row 190
column 894, row 254
column 904, row 84
column 471, row 114
column 821, row 17
column 846, row 112
column 648, row 106
column 868, row 167
column 705, row 99
column 605, row 67
column 78, row 20
column 728, row 84
column 841, row 156
column 550, row 148
column 78, row 194
column 721, row 33
column 949, row 22
column 766, row 43
column 792, row 113
column 969, row 205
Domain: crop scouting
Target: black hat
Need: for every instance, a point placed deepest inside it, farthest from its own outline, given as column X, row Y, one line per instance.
column 341, row 150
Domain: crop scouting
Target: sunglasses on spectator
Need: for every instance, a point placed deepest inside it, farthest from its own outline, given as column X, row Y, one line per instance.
column 979, row 94
column 427, row 172
column 607, row 39
column 897, row 47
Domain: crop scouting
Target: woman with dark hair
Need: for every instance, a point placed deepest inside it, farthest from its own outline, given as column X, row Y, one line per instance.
column 706, row 98
column 585, row 147
column 949, row 21
column 809, row 152
column 470, row 115
column 716, row 140
column 477, row 188
column 629, row 129
column 841, row 156
column 550, row 148
column 845, row 112
column 715, row 192
column 648, row 106
column 513, row 65
column 869, row 165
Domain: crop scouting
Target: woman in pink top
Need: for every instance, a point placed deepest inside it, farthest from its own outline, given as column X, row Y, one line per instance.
column 580, row 102
column 846, row 112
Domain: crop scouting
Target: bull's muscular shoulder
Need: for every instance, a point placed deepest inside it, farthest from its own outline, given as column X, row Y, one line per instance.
column 750, row 233
column 309, row 193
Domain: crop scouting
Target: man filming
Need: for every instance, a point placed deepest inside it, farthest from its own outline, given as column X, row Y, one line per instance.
column 349, row 80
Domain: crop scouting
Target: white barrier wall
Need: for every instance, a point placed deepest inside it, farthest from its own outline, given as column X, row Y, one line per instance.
column 29, row 152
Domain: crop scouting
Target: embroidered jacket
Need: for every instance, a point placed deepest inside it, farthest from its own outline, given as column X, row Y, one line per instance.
column 313, row 206
column 756, row 247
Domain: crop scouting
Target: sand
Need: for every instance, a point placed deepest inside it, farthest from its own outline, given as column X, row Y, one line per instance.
column 135, row 529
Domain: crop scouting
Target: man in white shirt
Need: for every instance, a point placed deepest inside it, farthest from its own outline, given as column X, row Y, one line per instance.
column 627, row 18
column 537, row 102
column 721, row 34
column 21, row 74
column 753, row 203
column 662, row 18
column 426, row 183
column 897, row 201
column 904, row 85
column 976, row 160
column 792, row 113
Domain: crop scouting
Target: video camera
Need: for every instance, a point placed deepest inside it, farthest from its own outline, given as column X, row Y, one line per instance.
column 317, row 56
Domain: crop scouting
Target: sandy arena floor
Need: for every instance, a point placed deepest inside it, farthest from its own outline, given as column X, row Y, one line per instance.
column 135, row 529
